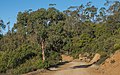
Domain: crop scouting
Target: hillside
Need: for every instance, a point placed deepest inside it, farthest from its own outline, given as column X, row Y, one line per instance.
column 47, row 37
column 112, row 65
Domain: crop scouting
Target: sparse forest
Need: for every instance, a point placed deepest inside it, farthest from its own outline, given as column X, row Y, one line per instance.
column 38, row 38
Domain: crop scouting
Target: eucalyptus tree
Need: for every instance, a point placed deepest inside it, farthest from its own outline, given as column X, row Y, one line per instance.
column 2, row 25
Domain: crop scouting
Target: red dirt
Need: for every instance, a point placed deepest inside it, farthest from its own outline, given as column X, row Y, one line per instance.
column 112, row 65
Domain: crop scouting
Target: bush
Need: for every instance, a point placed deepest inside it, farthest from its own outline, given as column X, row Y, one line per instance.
column 28, row 66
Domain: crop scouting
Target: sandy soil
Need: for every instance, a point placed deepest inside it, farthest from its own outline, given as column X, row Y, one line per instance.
column 72, row 68
column 110, row 67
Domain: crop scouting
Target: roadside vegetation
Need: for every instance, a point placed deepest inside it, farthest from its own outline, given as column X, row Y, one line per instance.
column 38, row 38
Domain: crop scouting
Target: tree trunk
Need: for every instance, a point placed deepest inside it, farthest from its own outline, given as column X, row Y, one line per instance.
column 43, row 51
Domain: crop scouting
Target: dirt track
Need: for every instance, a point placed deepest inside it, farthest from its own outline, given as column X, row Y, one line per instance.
column 110, row 67
column 72, row 68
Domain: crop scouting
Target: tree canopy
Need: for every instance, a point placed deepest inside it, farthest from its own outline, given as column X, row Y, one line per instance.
column 38, row 38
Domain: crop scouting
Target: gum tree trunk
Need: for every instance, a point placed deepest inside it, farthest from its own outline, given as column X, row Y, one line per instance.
column 43, row 51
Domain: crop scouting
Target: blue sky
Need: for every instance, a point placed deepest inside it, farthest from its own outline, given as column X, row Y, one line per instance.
column 10, row 8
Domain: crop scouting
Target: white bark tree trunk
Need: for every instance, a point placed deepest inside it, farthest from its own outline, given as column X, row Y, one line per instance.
column 43, row 51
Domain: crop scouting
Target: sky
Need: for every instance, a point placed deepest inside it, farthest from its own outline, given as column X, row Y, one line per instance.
column 10, row 8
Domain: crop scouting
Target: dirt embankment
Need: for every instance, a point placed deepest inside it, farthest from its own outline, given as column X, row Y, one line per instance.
column 112, row 65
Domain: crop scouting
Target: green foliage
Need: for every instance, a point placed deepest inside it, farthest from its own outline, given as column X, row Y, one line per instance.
column 12, row 59
column 30, row 65
column 82, row 30
column 2, row 25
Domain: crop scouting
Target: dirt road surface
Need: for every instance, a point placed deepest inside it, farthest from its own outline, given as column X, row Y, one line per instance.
column 110, row 67
column 72, row 68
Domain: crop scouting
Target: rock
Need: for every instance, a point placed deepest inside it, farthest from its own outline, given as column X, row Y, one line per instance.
column 95, row 58
column 83, row 58
column 53, row 69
